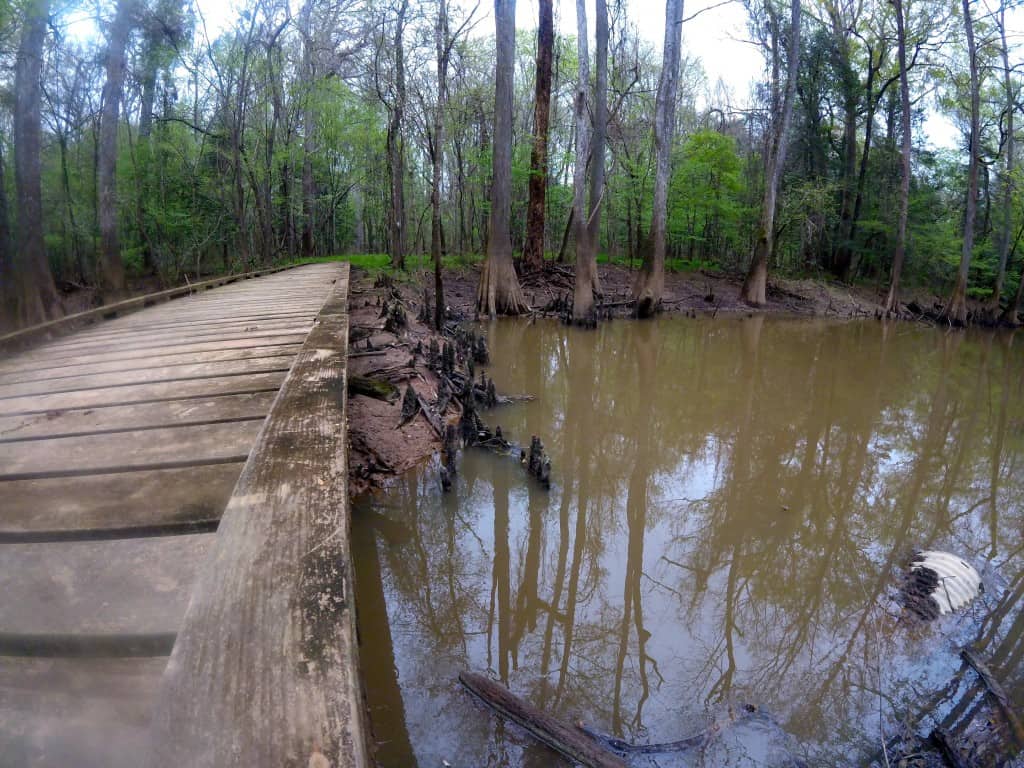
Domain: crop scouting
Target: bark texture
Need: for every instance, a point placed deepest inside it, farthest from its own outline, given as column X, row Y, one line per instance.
column 396, row 149
column 956, row 308
column 499, row 292
column 892, row 299
column 33, row 297
column 111, row 267
column 588, row 226
column 651, row 280
column 755, row 286
column 533, row 250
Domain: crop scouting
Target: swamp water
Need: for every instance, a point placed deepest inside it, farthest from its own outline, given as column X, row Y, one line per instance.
column 733, row 505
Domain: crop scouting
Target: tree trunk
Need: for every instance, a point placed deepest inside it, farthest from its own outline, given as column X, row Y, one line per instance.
column 499, row 291
column 651, row 280
column 903, row 205
column 533, row 250
column 111, row 268
column 437, row 155
column 956, row 309
column 309, row 138
column 33, row 297
column 1007, row 180
column 755, row 285
column 396, row 149
column 6, row 278
column 588, row 225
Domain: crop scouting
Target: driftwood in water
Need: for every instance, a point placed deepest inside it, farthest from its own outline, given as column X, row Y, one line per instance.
column 537, row 462
column 559, row 736
column 998, row 692
column 698, row 740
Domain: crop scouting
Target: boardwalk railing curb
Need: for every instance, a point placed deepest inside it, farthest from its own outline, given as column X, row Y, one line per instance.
column 17, row 340
column 264, row 671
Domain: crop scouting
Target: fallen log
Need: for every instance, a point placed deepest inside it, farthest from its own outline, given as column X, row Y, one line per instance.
column 565, row 739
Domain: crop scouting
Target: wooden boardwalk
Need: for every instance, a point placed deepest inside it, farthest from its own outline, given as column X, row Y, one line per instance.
column 121, row 445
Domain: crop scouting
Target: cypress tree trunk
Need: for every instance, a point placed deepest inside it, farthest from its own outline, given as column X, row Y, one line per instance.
column 396, row 149
column 33, row 296
column 893, row 298
column 755, row 285
column 1007, row 180
column 588, row 226
column 111, row 268
column 533, row 250
column 499, row 291
column 651, row 280
column 956, row 309
column 441, row 44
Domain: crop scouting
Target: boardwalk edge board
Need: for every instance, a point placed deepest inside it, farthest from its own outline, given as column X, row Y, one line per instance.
column 264, row 671
column 12, row 342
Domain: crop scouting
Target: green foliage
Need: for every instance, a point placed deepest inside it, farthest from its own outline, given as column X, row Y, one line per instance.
column 705, row 198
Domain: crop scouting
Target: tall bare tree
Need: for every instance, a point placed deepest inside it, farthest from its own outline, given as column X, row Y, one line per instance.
column 755, row 285
column 651, row 280
column 397, row 240
column 533, row 249
column 1009, row 150
column 499, row 291
column 443, row 49
column 27, row 278
column 111, row 267
column 588, row 221
column 956, row 308
column 899, row 254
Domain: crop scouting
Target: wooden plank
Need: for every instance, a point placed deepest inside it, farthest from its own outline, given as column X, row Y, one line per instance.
column 153, row 337
column 177, row 321
column 264, row 669
column 147, row 375
column 166, row 361
column 145, row 416
column 115, row 587
column 143, row 343
column 118, row 504
column 70, row 322
column 126, row 451
column 145, row 357
column 142, row 393
column 87, row 713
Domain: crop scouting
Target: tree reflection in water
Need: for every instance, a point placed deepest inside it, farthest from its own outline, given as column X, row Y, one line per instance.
column 734, row 502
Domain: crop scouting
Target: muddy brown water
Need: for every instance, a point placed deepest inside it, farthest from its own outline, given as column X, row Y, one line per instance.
column 733, row 504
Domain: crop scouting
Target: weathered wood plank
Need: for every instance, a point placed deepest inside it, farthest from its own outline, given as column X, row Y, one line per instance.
column 177, row 322
column 115, row 587
column 124, row 451
column 96, row 711
column 264, row 669
column 136, row 359
column 97, row 505
column 70, row 322
column 144, row 344
column 153, row 337
column 142, row 393
column 145, row 416
column 147, row 375
column 166, row 361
